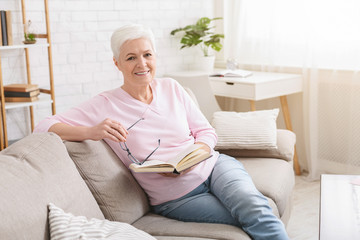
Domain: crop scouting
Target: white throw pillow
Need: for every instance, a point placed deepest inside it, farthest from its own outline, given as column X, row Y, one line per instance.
column 67, row 226
column 246, row 130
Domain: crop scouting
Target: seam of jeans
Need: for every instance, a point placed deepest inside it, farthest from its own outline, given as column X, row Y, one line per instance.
column 211, row 221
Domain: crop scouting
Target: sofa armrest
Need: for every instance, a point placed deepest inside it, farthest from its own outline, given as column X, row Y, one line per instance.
column 285, row 148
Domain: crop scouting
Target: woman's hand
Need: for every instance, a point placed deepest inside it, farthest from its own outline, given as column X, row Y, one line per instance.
column 204, row 146
column 174, row 175
column 109, row 129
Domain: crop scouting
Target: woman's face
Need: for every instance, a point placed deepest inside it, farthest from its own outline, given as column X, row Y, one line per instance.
column 137, row 62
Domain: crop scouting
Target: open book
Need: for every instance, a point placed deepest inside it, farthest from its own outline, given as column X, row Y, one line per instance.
column 232, row 73
column 184, row 160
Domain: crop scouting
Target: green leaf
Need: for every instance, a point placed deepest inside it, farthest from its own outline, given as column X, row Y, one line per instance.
column 173, row 32
column 216, row 46
column 200, row 33
column 204, row 22
column 190, row 40
column 31, row 36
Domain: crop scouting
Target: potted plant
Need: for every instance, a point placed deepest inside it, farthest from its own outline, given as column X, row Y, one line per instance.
column 201, row 34
column 29, row 36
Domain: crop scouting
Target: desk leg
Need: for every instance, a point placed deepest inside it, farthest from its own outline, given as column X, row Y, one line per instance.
column 252, row 105
column 286, row 113
column 1, row 136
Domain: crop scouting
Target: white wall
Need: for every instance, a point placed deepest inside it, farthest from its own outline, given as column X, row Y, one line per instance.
column 80, row 32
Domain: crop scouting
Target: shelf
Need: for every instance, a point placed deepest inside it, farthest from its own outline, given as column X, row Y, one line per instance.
column 20, row 46
column 43, row 99
column 46, row 97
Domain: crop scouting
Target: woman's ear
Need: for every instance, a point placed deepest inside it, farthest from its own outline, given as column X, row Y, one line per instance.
column 115, row 62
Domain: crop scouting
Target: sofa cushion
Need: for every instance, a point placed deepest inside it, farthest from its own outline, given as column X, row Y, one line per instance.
column 64, row 226
column 181, row 238
column 118, row 194
column 273, row 178
column 158, row 225
column 285, row 148
column 33, row 172
column 246, row 130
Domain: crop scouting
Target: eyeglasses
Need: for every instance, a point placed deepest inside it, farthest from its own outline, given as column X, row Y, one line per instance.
column 130, row 156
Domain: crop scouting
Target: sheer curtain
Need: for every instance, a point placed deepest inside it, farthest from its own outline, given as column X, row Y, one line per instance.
column 321, row 40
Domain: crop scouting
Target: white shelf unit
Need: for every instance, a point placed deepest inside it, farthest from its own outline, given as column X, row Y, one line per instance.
column 20, row 46
column 43, row 99
column 47, row 96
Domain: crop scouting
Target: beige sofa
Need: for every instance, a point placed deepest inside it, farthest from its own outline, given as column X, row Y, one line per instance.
column 87, row 179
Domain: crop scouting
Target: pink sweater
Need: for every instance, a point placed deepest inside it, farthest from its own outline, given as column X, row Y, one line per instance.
column 171, row 117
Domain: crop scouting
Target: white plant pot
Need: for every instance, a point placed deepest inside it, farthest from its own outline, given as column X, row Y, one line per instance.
column 205, row 63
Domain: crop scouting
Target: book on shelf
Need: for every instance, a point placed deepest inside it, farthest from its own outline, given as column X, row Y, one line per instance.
column 22, row 94
column 20, row 87
column 3, row 28
column 21, row 99
column 231, row 73
column 1, row 41
column 9, row 28
column 182, row 161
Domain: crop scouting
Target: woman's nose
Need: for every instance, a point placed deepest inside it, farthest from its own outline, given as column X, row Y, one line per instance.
column 142, row 62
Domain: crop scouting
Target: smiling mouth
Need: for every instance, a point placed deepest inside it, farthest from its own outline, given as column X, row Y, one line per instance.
column 142, row 73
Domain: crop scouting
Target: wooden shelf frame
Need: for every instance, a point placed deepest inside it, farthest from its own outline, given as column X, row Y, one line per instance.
column 43, row 99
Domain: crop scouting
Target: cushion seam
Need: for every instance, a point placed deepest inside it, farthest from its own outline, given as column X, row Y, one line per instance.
column 102, row 201
column 34, row 147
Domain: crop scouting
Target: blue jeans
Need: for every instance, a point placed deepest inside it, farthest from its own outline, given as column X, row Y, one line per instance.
column 228, row 196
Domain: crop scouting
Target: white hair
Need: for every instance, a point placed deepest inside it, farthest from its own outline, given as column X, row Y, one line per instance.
column 130, row 32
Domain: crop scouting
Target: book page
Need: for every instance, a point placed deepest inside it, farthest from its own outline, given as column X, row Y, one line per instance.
column 152, row 166
column 232, row 73
column 152, row 169
column 199, row 157
column 160, row 166
column 183, row 154
column 191, row 156
column 151, row 163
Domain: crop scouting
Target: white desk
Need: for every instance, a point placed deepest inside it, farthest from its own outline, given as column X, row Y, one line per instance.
column 340, row 207
column 260, row 86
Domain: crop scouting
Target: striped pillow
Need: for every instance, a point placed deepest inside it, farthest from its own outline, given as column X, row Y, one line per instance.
column 246, row 130
column 67, row 226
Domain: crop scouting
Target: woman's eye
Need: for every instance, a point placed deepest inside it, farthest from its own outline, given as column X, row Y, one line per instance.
column 130, row 58
column 148, row 54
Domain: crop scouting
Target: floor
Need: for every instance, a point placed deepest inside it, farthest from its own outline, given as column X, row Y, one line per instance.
column 304, row 220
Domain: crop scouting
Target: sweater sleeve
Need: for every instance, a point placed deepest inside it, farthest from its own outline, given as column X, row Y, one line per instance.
column 199, row 126
column 86, row 114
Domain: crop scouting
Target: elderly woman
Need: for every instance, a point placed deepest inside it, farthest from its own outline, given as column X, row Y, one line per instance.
column 156, row 118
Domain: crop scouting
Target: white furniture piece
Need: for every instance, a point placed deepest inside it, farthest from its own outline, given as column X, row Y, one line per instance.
column 47, row 96
column 258, row 86
column 340, row 207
